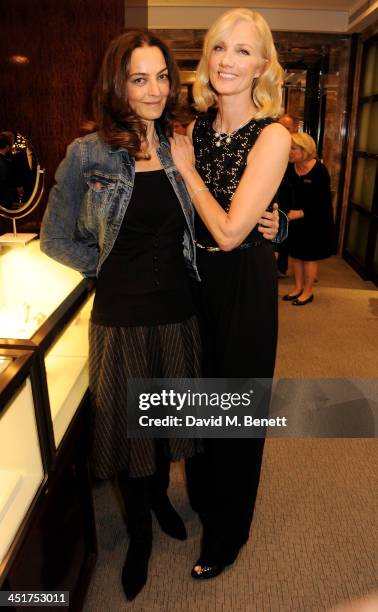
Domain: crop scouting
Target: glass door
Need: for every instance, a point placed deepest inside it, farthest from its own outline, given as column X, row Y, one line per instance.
column 361, row 245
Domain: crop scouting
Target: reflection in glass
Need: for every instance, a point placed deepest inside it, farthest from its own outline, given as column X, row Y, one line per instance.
column 363, row 127
column 4, row 363
column 372, row 141
column 357, row 236
column 18, row 170
column 364, row 182
column 21, row 470
column 66, row 365
column 294, row 92
column 370, row 76
column 375, row 82
column 21, row 184
column 375, row 260
column 359, row 167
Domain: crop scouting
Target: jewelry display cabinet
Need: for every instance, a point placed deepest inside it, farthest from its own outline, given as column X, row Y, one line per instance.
column 47, row 528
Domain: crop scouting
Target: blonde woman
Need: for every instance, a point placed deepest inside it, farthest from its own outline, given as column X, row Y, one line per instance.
column 241, row 154
column 311, row 227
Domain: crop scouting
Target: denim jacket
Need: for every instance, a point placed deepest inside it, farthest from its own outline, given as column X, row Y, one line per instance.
column 86, row 207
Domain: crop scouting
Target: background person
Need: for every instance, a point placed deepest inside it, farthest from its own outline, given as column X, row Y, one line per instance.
column 311, row 230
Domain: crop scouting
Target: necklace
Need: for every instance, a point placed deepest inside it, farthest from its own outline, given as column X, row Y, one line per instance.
column 221, row 137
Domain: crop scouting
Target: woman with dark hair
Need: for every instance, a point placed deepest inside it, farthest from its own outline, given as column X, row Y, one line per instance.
column 102, row 221
column 120, row 212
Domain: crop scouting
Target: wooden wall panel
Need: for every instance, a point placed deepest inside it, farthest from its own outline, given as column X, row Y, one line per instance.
column 48, row 97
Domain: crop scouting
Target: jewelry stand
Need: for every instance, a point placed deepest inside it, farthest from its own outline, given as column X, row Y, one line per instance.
column 13, row 239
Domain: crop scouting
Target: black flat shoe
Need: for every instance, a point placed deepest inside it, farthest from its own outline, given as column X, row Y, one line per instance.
column 303, row 302
column 205, row 572
column 169, row 520
column 290, row 298
column 135, row 569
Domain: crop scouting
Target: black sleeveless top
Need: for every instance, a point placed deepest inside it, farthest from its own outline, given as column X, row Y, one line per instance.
column 144, row 280
column 221, row 167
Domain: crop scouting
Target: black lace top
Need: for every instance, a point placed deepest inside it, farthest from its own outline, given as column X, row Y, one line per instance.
column 221, row 167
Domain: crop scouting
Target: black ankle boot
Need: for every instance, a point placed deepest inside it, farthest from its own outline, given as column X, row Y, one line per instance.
column 169, row 520
column 135, row 569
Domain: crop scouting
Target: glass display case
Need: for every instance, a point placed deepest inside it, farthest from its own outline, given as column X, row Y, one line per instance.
column 21, row 470
column 21, row 466
column 46, row 306
column 66, row 363
column 32, row 287
column 44, row 424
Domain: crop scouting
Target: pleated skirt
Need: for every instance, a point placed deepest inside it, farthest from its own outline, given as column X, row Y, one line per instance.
column 119, row 353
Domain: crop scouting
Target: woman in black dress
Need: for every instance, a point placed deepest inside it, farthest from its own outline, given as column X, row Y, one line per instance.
column 241, row 154
column 311, row 236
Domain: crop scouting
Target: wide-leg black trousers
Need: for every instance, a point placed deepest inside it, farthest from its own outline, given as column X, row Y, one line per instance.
column 237, row 313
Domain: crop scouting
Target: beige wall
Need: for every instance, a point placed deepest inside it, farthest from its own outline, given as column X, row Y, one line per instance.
column 163, row 14
column 284, row 15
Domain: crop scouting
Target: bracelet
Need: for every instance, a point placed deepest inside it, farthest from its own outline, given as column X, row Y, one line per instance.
column 193, row 195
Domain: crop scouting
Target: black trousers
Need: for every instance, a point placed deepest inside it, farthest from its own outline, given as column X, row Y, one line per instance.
column 237, row 313
column 222, row 488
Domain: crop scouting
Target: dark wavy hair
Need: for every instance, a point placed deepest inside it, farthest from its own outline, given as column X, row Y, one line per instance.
column 117, row 123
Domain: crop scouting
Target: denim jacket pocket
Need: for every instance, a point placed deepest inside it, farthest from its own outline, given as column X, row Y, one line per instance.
column 101, row 189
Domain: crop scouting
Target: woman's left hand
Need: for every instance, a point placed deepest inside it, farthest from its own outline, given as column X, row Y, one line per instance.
column 269, row 223
column 182, row 153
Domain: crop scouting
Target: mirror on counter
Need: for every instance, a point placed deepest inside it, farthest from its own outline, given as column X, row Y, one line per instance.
column 21, row 183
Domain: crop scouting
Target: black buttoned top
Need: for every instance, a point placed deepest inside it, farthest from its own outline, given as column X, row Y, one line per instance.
column 144, row 280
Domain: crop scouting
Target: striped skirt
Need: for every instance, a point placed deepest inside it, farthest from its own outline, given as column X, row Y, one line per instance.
column 119, row 353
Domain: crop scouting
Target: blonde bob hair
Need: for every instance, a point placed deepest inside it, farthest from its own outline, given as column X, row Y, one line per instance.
column 266, row 90
column 305, row 142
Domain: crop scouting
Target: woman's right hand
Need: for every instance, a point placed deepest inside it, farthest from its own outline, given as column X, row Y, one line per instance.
column 269, row 223
column 182, row 154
